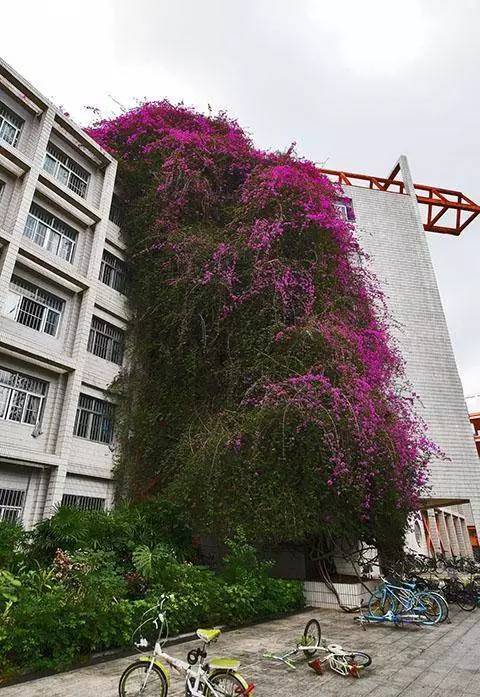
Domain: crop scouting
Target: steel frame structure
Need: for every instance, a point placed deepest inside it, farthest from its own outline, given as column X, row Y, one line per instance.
column 439, row 202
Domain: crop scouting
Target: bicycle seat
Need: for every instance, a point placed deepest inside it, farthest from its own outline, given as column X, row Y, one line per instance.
column 208, row 635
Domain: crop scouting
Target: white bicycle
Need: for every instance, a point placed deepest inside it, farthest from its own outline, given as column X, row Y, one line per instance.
column 342, row 661
column 215, row 677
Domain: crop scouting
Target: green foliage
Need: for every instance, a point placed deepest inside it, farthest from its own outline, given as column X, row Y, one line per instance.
column 12, row 544
column 81, row 601
column 154, row 563
column 118, row 531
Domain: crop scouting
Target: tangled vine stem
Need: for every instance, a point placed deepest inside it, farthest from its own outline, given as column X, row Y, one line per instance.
column 264, row 380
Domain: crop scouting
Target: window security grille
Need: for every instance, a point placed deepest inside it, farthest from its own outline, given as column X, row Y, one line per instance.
column 66, row 170
column 83, row 503
column 115, row 214
column 94, row 420
column 10, row 125
column 113, row 272
column 34, row 307
column 50, row 232
column 11, row 504
column 21, row 397
column 105, row 341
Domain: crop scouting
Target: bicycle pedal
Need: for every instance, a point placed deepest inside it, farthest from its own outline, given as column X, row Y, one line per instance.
column 317, row 666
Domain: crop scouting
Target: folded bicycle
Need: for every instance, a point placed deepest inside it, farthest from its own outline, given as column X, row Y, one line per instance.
column 342, row 661
column 204, row 677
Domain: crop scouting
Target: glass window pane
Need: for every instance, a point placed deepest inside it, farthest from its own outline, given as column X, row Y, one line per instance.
column 17, row 403
column 32, row 410
column 51, row 322
column 4, row 397
column 30, row 226
column 41, row 234
column 62, row 174
column 11, row 515
column 65, row 248
column 30, row 314
column 49, row 164
column 8, row 133
column 81, row 425
column 53, row 242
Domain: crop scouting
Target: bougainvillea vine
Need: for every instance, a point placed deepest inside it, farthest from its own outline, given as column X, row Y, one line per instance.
column 264, row 387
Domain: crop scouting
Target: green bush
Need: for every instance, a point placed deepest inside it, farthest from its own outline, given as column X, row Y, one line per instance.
column 118, row 531
column 81, row 601
column 13, row 540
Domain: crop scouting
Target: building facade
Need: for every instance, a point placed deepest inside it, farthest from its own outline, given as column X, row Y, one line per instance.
column 62, row 310
column 391, row 230
column 63, row 318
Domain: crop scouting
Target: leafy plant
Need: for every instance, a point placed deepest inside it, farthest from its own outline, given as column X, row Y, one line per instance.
column 265, row 389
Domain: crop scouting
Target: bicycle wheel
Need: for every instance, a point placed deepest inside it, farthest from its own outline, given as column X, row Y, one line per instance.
column 357, row 662
column 443, row 604
column 133, row 678
column 379, row 604
column 465, row 600
column 312, row 636
column 227, row 684
column 429, row 607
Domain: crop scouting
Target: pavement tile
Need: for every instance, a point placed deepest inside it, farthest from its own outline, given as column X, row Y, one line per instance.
column 442, row 661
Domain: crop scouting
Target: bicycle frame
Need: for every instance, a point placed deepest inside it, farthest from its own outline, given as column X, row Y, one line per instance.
column 336, row 656
column 196, row 677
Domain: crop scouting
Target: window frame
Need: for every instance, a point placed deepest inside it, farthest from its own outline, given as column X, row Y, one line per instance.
column 111, row 337
column 105, row 410
column 6, row 114
column 14, row 391
column 81, row 502
column 72, row 167
column 12, row 500
column 20, row 287
column 116, row 270
column 55, row 226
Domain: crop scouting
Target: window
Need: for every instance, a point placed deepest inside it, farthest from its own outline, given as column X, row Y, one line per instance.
column 106, row 341
column 50, row 232
column 21, row 397
column 34, row 307
column 66, row 170
column 83, row 503
column 113, row 272
column 116, row 212
column 10, row 125
column 2, row 188
column 11, row 504
column 94, row 419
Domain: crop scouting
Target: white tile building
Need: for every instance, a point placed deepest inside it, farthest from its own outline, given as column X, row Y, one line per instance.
column 390, row 229
column 62, row 311
column 63, row 316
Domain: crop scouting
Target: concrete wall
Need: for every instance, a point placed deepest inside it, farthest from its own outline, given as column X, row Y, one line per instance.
column 391, row 232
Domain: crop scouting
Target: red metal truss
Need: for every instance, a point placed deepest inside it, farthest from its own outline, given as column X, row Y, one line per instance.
column 446, row 211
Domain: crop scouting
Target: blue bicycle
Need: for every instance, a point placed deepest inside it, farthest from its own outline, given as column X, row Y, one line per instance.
column 403, row 603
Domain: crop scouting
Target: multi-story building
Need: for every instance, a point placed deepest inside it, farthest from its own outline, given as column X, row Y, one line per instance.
column 392, row 217
column 62, row 311
column 63, row 317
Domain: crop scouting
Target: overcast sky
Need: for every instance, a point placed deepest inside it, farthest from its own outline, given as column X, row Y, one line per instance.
column 354, row 83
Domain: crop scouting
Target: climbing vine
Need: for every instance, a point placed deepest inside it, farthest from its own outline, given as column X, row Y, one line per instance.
column 263, row 388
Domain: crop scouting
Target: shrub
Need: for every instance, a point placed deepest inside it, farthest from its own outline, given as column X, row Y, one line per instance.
column 118, row 531
column 13, row 540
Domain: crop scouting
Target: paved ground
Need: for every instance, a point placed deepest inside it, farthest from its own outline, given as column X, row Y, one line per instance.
column 442, row 661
